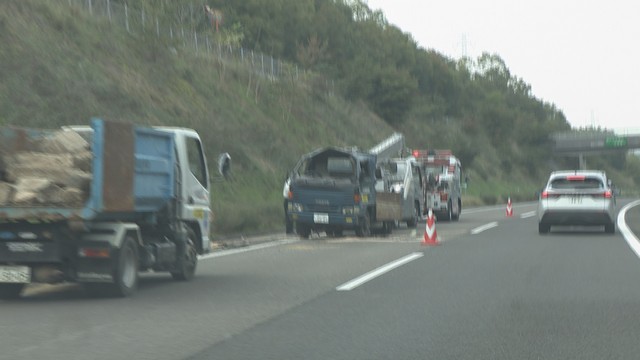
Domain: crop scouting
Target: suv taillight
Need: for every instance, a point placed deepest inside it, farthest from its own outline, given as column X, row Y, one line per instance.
column 607, row 194
column 545, row 194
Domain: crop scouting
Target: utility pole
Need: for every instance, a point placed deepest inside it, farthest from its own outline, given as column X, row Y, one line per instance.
column 582, row 160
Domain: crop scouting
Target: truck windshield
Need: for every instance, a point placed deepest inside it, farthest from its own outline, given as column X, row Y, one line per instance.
column 328, row 165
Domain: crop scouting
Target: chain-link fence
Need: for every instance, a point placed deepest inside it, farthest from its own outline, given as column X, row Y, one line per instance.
column 183, row 29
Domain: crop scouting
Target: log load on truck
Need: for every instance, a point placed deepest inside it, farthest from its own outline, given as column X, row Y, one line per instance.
column 333, row 189
column 443, row 173
column 97, row 205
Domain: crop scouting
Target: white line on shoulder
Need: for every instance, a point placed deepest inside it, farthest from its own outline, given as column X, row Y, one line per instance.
column 631, row 239
column 246, row 249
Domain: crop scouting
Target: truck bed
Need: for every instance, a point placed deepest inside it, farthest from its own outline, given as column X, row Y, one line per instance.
column 132, row 175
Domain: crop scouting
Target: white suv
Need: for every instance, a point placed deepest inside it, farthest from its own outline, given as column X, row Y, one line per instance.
column 577, row 197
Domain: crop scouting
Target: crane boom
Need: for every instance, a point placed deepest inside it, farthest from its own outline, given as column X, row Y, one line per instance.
column 389, row 148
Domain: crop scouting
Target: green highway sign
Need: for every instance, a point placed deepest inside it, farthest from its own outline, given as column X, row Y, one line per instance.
column 615, row 142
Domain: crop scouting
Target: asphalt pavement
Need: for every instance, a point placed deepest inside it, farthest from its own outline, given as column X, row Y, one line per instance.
column 486, row 292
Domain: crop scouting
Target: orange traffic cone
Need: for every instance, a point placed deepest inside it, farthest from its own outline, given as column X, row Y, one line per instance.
column 509, row 208
column 430, row 234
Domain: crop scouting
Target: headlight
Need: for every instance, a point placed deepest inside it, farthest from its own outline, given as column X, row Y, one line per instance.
column 297, row 207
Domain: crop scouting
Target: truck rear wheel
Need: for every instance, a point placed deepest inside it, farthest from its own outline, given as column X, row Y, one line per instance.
column 187, row 262
column 125, row 273
column 414, row 220
column 364, row 229
column 449, row 213
column 335, row 233
column 456, row 215
column 10, row 291
column 387, row 227
column 303, row 231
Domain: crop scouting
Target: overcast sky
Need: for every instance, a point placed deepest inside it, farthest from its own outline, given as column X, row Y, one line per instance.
column 583, row 56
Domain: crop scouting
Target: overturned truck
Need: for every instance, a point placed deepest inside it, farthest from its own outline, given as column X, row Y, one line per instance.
column 334, row 189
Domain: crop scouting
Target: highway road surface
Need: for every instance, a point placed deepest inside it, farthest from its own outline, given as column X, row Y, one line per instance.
column 493, row 289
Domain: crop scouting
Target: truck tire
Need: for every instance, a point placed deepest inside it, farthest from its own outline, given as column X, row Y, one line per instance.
column 364, row 230
column 187, row 262
column 456, row 216
column 335, row 233
column 414, row 220
column 10, row 291
column 449, row 213
column 125, row 273
column 303, row 231
column 387, row 227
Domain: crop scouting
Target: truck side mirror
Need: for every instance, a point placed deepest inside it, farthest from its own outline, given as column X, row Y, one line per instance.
column 224, row 165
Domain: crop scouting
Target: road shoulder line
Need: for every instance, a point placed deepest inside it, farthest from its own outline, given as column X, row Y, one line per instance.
column 246, row 249
column 628, row 235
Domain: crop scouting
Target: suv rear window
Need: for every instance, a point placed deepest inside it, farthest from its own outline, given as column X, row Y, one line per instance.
column 577, row 182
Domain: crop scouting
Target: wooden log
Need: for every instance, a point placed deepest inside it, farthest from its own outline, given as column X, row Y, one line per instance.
column 61, row 142
column 63, row 177
column 83, row 161
column 26, row 198
column 31, row 191
column 6, row 191
column 70, row 197
column 38, row 160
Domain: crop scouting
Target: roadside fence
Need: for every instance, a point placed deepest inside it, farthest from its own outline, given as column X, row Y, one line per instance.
column 184, row 28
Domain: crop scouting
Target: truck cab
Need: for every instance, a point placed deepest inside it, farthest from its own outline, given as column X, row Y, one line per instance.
column 333, row 189
column 194, row 194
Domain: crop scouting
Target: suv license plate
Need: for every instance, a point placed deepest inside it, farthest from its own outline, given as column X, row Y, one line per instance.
column 15, row 274
column 321, row 218
column 576, row 199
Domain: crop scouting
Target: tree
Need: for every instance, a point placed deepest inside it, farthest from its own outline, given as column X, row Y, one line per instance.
column 313, row 52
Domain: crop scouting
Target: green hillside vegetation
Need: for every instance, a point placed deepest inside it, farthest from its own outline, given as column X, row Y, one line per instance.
column 363, row 80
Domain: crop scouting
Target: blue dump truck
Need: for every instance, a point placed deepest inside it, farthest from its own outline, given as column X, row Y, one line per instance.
column 334, row 189
column 99, row 204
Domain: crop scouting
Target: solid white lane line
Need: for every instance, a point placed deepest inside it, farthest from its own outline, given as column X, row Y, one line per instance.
column 246, row 249
column 528, row 215
column 482, row 228
column 631, row 239
column 379, row 271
